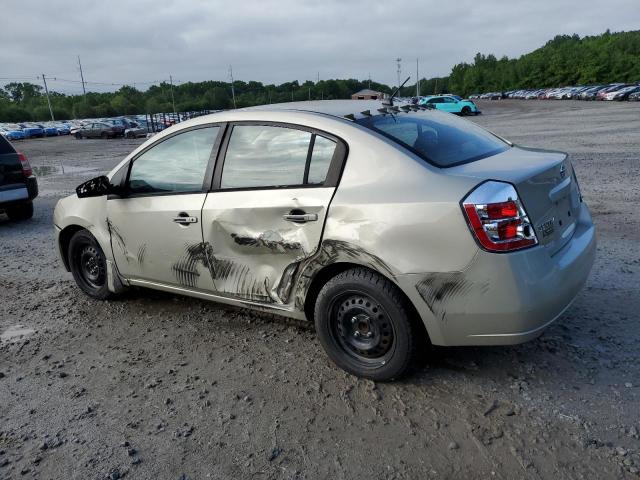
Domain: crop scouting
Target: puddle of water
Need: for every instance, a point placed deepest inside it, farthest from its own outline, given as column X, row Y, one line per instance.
column 15, row 332
column 50, row 170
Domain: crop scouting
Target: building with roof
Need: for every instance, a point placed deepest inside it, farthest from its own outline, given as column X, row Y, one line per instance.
column 367, row 94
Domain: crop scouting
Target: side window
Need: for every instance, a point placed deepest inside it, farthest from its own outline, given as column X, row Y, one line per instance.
column 265, row 156
column 177, row 164
column 449, row 100
column 321, row 157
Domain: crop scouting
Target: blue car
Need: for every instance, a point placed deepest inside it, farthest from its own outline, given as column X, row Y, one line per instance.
column 63, row 129
column 12, row 132
column 451, row 104
column 49, row 131
column 32, row 131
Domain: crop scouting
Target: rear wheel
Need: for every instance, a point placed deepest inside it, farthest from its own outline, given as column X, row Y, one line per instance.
column 364, row 325
column 88, row 265
column 21, row 212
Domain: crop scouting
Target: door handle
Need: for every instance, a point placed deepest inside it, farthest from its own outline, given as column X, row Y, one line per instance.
column 184, row 218
column 300, row 217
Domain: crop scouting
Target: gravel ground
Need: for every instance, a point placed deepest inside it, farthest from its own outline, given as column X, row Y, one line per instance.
column 155, row 386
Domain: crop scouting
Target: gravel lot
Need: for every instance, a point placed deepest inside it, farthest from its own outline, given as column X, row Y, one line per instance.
column 155, row 386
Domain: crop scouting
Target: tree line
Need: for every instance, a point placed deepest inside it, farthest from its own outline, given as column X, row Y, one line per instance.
column 565, row 60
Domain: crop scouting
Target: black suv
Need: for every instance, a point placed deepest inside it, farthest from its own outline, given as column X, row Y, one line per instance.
column 18, row 184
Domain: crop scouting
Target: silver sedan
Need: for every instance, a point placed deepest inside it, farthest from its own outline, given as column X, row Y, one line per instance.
column 390, row 227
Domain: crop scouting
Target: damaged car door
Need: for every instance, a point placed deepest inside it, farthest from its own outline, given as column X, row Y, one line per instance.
column 266, row 211
column 158, row 214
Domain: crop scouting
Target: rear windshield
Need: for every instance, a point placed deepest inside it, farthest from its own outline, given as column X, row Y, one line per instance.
column 5, row 146
column 440, row 138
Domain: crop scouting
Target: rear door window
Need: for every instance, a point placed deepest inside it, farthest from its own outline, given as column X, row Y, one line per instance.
column 267, row 156
column 321, row 157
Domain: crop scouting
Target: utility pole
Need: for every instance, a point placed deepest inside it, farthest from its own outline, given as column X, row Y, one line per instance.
column 173, row 100
column 84, row 91
column 309, row 93
column 369, row 81
column 292, row 93
column 233, row 90
column 44, row 80
column 269, row 97
column 417, row 80
column 399, row 60
column 435, row 89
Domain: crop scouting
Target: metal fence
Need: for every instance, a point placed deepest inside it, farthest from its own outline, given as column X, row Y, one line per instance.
column 159, row 121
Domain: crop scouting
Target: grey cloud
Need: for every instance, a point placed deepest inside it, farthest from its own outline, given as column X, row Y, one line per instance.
column 277, row 41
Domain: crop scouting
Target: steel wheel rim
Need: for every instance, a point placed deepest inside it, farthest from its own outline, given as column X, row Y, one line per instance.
column 91, row 266
column 362, row 328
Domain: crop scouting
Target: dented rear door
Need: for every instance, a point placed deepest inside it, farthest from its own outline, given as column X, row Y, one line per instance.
column 266, row 213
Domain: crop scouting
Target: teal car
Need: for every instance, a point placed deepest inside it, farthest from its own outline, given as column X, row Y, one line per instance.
column 451, row 104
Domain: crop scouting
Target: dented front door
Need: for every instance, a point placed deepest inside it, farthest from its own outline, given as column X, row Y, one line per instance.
column 258, row 238
column 156, row 228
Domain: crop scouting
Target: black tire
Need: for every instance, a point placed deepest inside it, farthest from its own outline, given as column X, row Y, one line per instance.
column 466, row 111
column 88, row 265
column 23, row 211
column 104, row 135
column 364, row 325
column 78, row 136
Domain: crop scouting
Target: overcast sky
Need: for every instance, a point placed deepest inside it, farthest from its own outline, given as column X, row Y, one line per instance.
column 138, row 41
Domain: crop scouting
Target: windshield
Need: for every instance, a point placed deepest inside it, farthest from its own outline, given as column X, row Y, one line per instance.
column 440, row 138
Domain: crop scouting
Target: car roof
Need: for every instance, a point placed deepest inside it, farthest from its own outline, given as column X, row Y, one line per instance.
column 336, row 108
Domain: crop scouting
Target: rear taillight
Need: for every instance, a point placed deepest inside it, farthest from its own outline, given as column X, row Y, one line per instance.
column 497, row 218
column 27, row 171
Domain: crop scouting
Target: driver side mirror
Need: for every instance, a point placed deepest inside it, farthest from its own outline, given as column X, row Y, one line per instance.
column 96, row 187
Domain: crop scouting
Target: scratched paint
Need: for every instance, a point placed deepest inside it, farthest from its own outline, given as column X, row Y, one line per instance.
column 330, row 252
column 440, row 289
column 142, row 251
column 115, row 234
column 270, row 240
column 228, row 276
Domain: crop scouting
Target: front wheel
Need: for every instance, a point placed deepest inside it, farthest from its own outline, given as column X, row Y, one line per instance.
column 88, row 265
column 78, row 136
column 364, row 325
column 466, row 111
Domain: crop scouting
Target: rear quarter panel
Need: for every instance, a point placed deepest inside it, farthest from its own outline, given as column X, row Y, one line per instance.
column 395, row 206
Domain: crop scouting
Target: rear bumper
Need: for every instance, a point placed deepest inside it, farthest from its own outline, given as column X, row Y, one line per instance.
column 503, row 299
column 16, row 194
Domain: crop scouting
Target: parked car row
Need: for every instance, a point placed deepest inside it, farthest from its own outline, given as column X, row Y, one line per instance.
column 607, row 92
column 90, row 128
column 20, row 131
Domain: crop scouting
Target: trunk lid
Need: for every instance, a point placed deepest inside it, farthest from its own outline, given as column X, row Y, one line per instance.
column 10, row 167
column 545, row 183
